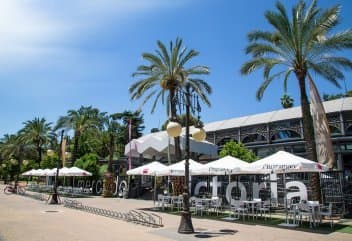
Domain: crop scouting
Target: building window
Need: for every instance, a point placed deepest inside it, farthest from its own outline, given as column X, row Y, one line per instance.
column 284, row 135
column 334, row 130
column 223, row 141
column 253, row 138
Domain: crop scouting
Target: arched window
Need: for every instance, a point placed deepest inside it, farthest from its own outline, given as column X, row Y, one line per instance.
column 334, row 130
column 225, row 140
column 349, row 131
column 285, row 134
column 253, row 138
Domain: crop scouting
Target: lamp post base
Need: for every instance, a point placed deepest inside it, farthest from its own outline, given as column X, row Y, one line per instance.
column 54, row 199
column 186, row 225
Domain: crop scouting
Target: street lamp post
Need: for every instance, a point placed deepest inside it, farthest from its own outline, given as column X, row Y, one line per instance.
column 55, row 197
column 186, row 225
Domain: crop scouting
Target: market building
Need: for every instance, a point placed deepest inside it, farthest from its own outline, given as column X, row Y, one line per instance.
column 267, row 133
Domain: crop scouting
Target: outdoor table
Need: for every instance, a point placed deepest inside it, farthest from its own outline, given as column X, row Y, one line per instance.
column 206, row 201
column 251, row 204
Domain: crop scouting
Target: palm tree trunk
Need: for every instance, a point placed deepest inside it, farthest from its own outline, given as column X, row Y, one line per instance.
column 39, row 150
column 308, row 134
column 174, row 117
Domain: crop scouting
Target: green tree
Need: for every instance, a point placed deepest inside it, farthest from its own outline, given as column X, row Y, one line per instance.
column 286, row 101
column 80, row 121
column 137, row 127
column 166, row 74
column 239, row 151
column 303, row 44
column 89, row 162
column 49, row 161
column 13, row 148
column 37, row 132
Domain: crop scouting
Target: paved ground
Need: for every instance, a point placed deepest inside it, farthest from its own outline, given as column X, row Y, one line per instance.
column 23, row 218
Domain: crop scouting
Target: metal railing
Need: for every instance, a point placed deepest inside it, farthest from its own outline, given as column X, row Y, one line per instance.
column 134, row 216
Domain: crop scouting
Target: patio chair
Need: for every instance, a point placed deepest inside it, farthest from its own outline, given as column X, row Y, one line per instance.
column 199, row 206
column 177, row 201
column 160, row 202
column 264, row 208
column 239, row 208
column 215, row 204
column 326, row 211
column 305, row 212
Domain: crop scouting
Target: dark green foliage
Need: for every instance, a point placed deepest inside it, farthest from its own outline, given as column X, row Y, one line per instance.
column 327, row 97
column 49, row 161
column 89, row 162
column 153, row 130
column 286, row 101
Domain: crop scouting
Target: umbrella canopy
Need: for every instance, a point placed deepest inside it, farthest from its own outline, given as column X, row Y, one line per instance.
column 283, row 161
column 178, row 169
column 45, row 172
column 28, row 173
column 221, row 166
column 147, row 170
column 77, row 172
column 157, row 145
column 63, row 172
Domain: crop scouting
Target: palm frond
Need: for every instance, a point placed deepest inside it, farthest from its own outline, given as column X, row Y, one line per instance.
column 287, row 74
column 164, row 54
column 328, row 71
column 265, row 84
column 260, row 49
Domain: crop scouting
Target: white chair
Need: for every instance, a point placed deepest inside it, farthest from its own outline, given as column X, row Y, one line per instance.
column 326, row 211
column 215, row 204
column 264, row 208
column 199, row 206
column 160, row 202
column 238, row 207
column 304, row 211
column 177, row 201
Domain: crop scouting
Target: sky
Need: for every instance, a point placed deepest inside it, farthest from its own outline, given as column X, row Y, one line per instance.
column 60, row 55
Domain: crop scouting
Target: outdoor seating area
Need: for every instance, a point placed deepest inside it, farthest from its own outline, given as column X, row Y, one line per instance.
column 259, row 191
column 68, row 191
column 65, row 190
column 308, row 214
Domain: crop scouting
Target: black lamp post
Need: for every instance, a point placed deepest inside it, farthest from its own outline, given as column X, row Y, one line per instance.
column 55, row 197
column 186, row 225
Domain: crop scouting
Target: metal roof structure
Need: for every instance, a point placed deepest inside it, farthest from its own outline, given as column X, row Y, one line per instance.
column 331, row 106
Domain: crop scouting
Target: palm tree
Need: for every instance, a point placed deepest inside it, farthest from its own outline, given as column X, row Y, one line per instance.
column 165, row 75
column 13, row 147
column 79, row 121
column 111, row 132
column 286, row 101
column 37, row 132
column 301, row 45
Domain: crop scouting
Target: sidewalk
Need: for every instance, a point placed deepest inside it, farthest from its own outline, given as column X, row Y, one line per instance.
column 23, row 218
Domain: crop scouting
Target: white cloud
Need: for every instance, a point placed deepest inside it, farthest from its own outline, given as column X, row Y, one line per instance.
column 35, row 28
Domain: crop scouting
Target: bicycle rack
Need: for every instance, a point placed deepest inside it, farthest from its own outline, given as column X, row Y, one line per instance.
column 37, row 196
column 134, row 216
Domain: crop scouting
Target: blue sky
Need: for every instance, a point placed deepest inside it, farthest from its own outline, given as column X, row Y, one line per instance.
column 59, row 55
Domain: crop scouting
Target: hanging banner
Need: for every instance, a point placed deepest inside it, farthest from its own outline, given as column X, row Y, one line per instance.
column 129, row 139
column 63, row 151
column 325, row 151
